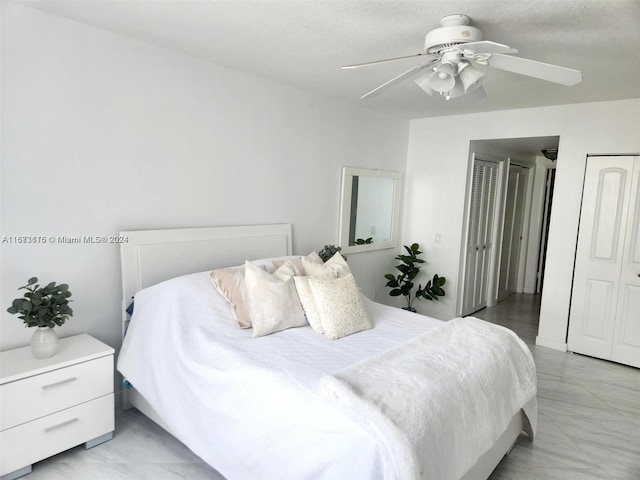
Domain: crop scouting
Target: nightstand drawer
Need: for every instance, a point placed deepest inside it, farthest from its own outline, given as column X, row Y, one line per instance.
column 34, row 397
column 33, row 441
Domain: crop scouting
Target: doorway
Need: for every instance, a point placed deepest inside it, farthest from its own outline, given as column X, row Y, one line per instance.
column 514, row 247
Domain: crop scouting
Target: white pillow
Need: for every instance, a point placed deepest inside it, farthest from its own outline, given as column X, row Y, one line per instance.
column 308, row 301
column 339, row 302
column 267, row 263
column 313, row 257
column 340, row 263
column 272, row 299
column 335, row 264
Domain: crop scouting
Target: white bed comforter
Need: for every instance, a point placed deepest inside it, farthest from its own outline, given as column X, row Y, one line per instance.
column 409, row 395
column 251, row 407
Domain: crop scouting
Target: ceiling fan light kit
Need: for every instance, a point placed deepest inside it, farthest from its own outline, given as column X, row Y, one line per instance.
column 450, row 52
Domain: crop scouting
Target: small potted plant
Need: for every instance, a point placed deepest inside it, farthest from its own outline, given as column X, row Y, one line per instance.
column 43, row 307
column 402, row 284
column 329, row 251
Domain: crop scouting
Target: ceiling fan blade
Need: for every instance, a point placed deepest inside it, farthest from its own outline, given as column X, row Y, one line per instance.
column 403, row 76
column 533, row 68
column 487, row 47
column 427, row 56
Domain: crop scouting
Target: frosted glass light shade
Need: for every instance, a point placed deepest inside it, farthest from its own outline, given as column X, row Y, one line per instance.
column 470, row 78
column 443, row 78
column 424, row 84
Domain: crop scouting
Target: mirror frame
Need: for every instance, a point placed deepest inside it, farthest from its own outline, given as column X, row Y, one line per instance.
column 345, row 209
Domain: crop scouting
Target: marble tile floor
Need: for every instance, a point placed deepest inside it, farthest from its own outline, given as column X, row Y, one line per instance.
column 140, row 450
column 589, row 425
column 588, row 410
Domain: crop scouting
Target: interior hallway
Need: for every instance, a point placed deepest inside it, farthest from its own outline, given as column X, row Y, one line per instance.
column 520, row 312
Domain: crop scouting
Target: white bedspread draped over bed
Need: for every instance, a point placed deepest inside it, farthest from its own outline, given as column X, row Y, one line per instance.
column 411, row 396
column 254, row 407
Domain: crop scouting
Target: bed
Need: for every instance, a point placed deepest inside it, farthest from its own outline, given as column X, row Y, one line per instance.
column 294, row 404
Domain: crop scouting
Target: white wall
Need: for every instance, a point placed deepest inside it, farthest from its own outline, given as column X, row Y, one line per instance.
column 103, row 133
column 437, row 170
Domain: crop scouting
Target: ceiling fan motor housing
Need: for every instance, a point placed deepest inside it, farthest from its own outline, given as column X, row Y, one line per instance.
column 455, row 30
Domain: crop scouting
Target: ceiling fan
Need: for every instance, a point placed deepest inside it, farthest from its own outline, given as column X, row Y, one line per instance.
column 451, row 53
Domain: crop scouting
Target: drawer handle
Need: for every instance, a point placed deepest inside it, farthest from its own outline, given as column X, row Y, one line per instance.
column 61, row 382
column 60, row 425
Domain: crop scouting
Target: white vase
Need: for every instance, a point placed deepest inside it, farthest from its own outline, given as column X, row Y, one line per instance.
column 44, row 342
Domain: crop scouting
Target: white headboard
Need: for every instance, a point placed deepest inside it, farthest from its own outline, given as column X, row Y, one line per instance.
column 152, row 256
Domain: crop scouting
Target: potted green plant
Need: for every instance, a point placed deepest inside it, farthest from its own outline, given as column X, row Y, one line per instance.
column 43, row 307
column 403, row 283
column 329, row 251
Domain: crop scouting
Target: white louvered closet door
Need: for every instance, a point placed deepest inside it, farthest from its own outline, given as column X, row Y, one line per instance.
column 480, row 235
column 605, row 307
column 512, row 231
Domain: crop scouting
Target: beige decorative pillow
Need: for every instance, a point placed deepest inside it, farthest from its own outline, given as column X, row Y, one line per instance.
column 313, row 257
column 272, row 299
column 335, row 264
column 230, row 283
column 339, row 302
column 308, row 301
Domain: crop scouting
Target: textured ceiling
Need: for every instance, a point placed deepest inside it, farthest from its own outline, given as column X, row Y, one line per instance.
column 303, row 43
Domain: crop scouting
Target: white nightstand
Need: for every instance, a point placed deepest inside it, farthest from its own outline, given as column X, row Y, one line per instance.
column 50, row 405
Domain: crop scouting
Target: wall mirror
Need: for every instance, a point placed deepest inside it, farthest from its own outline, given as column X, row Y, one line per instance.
column 369, row 209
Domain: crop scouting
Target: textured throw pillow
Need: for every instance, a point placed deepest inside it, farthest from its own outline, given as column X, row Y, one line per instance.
column 273, row 300
column 308, row 301
column 335, row 264
column 339, row 302
column 297, row 262
column 230, row 283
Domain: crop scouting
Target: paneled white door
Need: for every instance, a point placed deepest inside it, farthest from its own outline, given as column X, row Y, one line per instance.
column 605, row 305
column 626, row 334
column 512, row 231
column 480, row 235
